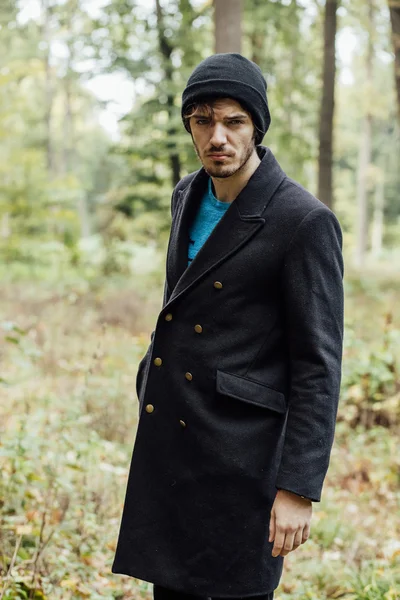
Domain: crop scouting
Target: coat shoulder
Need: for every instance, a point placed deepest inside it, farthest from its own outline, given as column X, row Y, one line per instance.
column 296, row 203
column 304, row 217
column 298, row 198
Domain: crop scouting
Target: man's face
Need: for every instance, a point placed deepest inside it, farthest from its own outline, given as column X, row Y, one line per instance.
column 223, row 141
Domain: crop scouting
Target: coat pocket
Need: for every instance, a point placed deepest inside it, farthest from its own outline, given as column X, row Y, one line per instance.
column 250, row 391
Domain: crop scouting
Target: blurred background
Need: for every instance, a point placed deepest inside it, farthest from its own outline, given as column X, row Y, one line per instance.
column 91, row 147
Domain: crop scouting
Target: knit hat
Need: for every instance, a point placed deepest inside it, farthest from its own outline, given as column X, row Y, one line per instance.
column 230, row 75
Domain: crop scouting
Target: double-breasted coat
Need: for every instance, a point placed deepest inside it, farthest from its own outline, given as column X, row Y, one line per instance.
column 238, row 391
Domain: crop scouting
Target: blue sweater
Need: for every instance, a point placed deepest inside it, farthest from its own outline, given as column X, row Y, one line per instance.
column 210, row 212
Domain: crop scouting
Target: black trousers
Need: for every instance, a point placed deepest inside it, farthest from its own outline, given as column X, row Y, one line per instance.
column 161, row 593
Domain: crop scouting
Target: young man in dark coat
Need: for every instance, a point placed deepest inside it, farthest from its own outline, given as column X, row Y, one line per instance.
column 238, row 391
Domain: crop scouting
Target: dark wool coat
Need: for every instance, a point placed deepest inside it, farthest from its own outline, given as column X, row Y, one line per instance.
column 238, row 391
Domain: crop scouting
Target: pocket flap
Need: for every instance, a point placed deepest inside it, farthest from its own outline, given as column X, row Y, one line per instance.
column 250, row 391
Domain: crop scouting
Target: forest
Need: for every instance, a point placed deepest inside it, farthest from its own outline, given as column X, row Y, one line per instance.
column 91, row 146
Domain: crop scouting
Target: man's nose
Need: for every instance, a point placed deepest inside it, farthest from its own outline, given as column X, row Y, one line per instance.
column 218, row 135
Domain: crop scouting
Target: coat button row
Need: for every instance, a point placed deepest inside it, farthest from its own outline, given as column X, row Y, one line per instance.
column 197, row 328
column 150, row 409
column 158, row 363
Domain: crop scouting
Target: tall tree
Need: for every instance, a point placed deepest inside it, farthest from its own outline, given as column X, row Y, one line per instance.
column 325, row 187
column 71, row 23
column 49, row 88
column 228, row 25
column 394, row 7
column 378, row 214
column 257, row 32
column 365, row 151
column 166, row 50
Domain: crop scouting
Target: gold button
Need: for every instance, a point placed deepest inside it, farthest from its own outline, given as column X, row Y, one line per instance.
column 158, row 362
column 149, row 408
column 217, row 285
column 189, row 376
column 198, row 328
column 182, row 423
column 168, row 317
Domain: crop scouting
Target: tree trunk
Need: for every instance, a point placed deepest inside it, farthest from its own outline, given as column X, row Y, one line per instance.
column 228, row 25
column 377, row 223
column 325, row 191
column 394, row 7
column 67, row 125
column 257, row 32
column 364, row 157
column 68, row 120
column 166, row 51
column 48, row 88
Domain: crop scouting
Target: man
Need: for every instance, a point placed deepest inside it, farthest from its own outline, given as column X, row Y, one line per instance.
column 239, row 388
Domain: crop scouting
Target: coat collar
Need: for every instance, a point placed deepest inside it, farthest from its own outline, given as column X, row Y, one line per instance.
column 256, row 195
column 240, row 222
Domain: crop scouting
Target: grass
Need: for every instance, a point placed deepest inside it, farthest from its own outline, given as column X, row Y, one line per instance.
column 68, row 414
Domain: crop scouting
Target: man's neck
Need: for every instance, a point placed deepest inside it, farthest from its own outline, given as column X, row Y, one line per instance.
column 228, row 188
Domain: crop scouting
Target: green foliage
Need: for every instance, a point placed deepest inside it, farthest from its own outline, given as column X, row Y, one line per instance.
column 62, row 458
column 61, row 177
column 39, row 201
column 371, row 371
column 373, row 584
column 371, row 383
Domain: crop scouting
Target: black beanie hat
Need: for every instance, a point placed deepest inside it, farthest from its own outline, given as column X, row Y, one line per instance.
column 230, row 75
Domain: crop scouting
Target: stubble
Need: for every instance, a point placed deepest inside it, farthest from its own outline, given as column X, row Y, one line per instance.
column 221, row 171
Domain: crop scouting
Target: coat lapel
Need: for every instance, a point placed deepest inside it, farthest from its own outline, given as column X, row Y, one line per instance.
column 236, row 227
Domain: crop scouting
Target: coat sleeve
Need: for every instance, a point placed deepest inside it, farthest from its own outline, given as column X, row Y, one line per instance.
column 313, row 309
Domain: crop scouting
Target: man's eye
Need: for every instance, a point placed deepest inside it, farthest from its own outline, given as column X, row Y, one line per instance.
column 235, row 121
column 201, row 121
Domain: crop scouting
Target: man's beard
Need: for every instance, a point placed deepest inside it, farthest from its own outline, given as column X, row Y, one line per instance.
column 223, row 171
